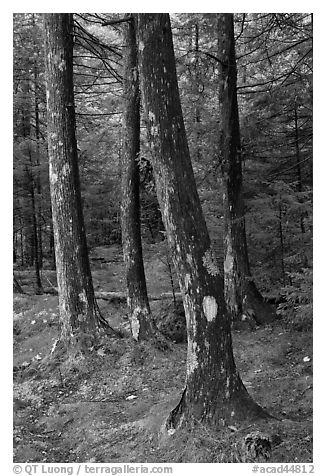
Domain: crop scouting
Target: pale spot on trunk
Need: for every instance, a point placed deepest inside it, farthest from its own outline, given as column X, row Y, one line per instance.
column 192, row 360
column 228, row 263
column 189, row 258
column 53, row 176
column 141, row 46
column 82, row 297
column 154, row 130
column 134, row 323
column 65, row 169
column 227, row 391
column 187, row 280
column 151, row 116
column 210, row 308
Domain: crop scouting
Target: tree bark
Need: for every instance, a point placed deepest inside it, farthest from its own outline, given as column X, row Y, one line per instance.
column 17, row 286
column 79, row 313
column 241, row 294
column 141, row 323
column 33, row 228
column 297, row 154
column 214, row 391
column 38, row 186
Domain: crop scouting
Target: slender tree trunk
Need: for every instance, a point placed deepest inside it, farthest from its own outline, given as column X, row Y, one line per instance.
column 29, row 240
column 38, row 176
column 214, row 391
column 280, row 228
column 241, row 294
column 17, row 286
column 39, row 288
column 51, row 246
column 33, row 229
column 15, row 241
column 171, row 282
column 297, row 154
column 79, row 313
column 140, row 318
column 22, row 255
column 38, row 186
column 197, row 108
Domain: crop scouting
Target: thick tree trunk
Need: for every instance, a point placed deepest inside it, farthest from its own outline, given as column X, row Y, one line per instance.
column 242, row 296
column 214, row 391
column 78, row 309
column 140, row 318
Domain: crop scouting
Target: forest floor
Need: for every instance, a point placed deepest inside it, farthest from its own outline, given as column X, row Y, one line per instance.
column 109, row 406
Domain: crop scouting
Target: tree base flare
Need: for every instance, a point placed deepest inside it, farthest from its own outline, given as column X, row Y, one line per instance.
column 239, row 411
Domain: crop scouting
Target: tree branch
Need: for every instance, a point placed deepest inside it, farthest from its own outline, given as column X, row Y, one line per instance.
column 116, row 22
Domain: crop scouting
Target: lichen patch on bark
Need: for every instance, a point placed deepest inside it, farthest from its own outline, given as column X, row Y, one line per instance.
column 210, row 262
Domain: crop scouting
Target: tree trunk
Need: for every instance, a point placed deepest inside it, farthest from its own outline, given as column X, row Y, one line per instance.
column 51, row 246
column 29, row 248
column 17, row 286
column 31, row 185
column 38, row 176
column 22, row 254
column 197, row 102
column 297, row 154
column 79, row 313
column 214, row 391
column 39, row 288
column 241, row 294
column 281, row 236
column 38, row 186
column 140, row 318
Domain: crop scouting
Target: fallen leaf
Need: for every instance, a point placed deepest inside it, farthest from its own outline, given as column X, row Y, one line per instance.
column 233, row 428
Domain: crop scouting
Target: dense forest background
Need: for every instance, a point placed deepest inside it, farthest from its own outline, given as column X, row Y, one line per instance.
column 108, row 366
column 274, row 62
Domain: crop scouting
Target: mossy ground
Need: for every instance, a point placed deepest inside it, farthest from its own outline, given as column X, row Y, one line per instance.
column 109, row 405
